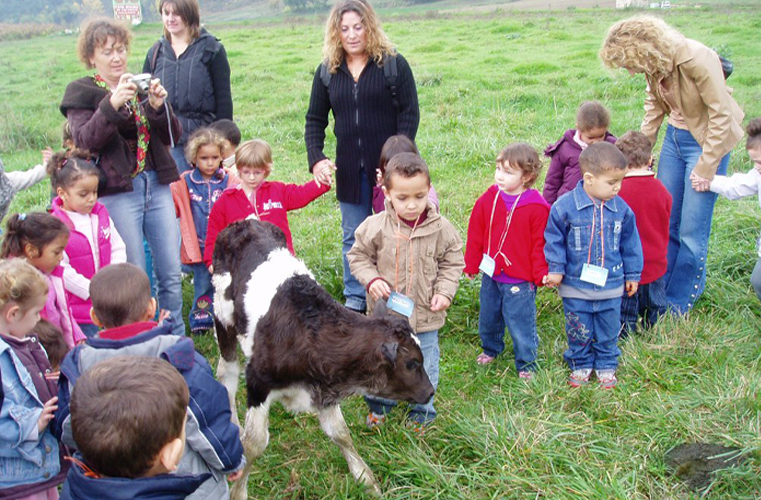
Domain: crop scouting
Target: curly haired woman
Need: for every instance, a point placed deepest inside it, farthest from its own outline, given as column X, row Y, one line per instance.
column 684, row 81
column 367, row 111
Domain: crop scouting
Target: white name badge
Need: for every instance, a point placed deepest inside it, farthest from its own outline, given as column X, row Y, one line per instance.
column 487, row 266
column 401, row 304
column 594, row 274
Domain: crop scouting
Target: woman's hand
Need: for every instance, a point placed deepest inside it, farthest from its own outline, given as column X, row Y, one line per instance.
column 699, row 184
column 156, row 94
column 323, row 172
column 48, row 411
column 124, row 91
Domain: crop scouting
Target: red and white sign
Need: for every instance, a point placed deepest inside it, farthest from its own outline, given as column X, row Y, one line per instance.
column 128, row 10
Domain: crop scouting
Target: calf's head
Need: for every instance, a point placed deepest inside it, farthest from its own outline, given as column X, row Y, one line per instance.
column 400, row 373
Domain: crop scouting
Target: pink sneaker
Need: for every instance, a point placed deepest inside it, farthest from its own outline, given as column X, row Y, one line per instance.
column 606, row 378
column 579, row 377
column 526, row 375
column 484, row 359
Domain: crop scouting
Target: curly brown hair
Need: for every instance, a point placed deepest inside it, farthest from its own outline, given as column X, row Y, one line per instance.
column 95, row 34
column 21, row 283
column 754, row 134
column 378, row 44
column 522, row 156
column 636, row 147
column 203, row 137
column 643, row 44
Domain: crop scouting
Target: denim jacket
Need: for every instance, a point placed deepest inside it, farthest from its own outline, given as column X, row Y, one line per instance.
column 25, row 457
column 203, row 195
column 568, row 235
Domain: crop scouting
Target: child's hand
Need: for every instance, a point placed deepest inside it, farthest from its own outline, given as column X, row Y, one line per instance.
column 163, row 315
column 471, row 277
column 699, row 183
column 379, row 289
column 323, row 171
column 47, row 414
column 211, row 268
column 54, row 376
column 440, row 303
column 47, row 154
column 631, row 288
column 234, row 476
column 552, row 279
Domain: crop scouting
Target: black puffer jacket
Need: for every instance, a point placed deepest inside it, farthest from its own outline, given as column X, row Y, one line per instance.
column 198, row 82
column 365, row 117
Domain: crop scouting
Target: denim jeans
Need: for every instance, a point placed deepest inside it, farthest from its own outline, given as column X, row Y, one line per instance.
column 592, row 328
column 89, row 329
column 429, row 344
column 755, row 279
column 178, row 154
column 690, row 223
column 200, row 318
column 352, row 215
column 514, row 306
column 649, row 303
column 148, row 212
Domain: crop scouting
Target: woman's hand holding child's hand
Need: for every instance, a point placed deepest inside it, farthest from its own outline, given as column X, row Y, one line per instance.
column 631, row 288
column 699, row 183
column 323, row 172
column 379, row 289
column 48, row 411
column 234, row 476
column 440, row 303
column 552, row 279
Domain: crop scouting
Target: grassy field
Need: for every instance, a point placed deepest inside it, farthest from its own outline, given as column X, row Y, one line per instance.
column 484, row 80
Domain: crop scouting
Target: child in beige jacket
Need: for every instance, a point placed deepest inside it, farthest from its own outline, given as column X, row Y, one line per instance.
column 411, row 257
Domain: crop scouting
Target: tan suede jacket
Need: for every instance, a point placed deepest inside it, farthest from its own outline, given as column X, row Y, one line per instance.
column 704, row 100
column 436, row 260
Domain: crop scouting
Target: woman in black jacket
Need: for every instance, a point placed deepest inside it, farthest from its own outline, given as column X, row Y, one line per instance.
column 192, row 65
column 370, row 103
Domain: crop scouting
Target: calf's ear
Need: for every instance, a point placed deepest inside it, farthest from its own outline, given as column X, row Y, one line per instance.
column 389, row 350
column 380, row 309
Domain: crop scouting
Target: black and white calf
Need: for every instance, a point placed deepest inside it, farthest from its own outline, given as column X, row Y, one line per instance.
column 304, row 349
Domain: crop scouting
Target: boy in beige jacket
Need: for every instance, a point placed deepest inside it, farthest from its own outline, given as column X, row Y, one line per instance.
column 410, row 257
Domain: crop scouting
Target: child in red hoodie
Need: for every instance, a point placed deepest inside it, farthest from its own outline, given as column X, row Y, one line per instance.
column 506, row 243
column 267, row 201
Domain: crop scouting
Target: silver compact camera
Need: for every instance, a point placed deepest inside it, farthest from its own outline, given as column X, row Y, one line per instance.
column 143, row 82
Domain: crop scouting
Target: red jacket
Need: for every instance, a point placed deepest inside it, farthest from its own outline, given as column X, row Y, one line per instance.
column 524, row 244
column 273, row 201
column 651, row 204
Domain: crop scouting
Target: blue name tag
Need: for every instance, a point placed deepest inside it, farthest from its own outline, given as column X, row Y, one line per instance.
column 594, row 274
column 401, row 304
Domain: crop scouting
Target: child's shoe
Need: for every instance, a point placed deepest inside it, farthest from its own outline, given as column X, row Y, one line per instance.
column 526, row 375
column 579, row 377
column 374, row 420
column 484, row 359
column 607, row 378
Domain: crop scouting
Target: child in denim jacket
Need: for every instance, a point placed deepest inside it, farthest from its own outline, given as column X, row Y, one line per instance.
column 194, row 195
column 593, row 252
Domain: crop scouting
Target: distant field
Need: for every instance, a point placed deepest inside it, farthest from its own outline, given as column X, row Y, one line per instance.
column 484, row 80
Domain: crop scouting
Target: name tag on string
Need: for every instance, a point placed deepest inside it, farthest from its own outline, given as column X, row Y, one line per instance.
column 487, row 266
column 401, row 304
column 594, row 274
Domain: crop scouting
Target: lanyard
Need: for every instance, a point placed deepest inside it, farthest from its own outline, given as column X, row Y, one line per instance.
column 507, row 227
column 602, row 232
column 409, row 261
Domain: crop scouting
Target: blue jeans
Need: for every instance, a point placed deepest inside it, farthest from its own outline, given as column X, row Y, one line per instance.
column 89, row 329
column 200, row 318
column 352, row 215
column 690, row 223
column 429, row 344
column 755, row 279
column 649, row 303
column 514, row 306
column 178, row 154
column 592, row 328
column 148, row 212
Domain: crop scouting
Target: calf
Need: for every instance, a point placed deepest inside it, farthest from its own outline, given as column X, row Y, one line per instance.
column 304, row 349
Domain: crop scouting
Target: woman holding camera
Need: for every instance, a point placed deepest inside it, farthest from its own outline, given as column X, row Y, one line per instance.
column 193, row 65
column 129, row 130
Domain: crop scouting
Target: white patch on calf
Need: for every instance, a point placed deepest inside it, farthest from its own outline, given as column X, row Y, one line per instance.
column 417, row 340
column 295, row 399
column 262, row 287
column 223, row 308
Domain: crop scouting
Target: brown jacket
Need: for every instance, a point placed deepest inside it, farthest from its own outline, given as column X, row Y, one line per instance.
column 704, row 100
column 437, row 261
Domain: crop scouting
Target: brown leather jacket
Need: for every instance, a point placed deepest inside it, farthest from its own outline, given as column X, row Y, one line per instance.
column 436, row 258
column 704, row 100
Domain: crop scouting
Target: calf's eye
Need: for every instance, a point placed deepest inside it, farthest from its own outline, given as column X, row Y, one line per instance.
column 413, row 364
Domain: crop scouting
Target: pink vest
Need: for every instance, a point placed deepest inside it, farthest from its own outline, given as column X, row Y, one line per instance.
column 57, row 310
column 81, row 255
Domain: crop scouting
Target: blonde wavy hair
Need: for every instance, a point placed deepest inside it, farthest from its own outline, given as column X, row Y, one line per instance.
column 378, row 44
column 644, row 44
column 204, row 136
column 20, row 283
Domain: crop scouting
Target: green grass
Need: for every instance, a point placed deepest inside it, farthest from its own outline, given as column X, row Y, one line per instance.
column 484, row 81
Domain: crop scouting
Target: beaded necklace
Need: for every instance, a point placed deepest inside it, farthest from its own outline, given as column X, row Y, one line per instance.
column 141, row 121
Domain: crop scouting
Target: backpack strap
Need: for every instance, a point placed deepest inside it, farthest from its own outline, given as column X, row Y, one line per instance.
column 325, row 75
column 155, row 55
column 391, row 72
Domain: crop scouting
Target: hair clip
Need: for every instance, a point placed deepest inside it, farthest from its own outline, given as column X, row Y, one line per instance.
column 63, row 163
column 22, row 216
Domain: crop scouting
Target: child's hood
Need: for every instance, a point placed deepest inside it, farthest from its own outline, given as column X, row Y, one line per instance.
column 567, row 138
